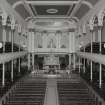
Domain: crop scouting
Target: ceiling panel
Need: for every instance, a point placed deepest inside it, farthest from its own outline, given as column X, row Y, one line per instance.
column 82, row 11
column 52, row 10
column 22, row 11
column 93, row 2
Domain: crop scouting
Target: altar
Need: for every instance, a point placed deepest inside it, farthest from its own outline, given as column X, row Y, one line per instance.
column 51, row 63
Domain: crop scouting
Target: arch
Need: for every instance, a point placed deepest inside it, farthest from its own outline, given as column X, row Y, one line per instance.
column 101, row 16
column 88, row 4
column 92, row 22
column 28, row 18
column 17, row 3
column 101, row 22
column 75, row 19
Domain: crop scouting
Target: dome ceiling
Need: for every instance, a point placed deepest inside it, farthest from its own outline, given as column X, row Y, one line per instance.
column 52, row 8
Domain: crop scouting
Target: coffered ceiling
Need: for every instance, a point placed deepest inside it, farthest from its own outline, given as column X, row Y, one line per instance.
column 52, row 8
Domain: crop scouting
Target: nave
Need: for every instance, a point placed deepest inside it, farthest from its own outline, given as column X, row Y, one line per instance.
column 52, row 52
column 38, row 89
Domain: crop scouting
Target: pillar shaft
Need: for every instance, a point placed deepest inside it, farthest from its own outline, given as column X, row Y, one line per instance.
column 100, row 41
column 12, row 63
column 100, row 76
column 91, row 68
column 74, row 61
column 84, row 61
column 29, row 62
column 19, row 51
column 79, row 64
column 12, row 76
column 84, row 66
column 33, row 60
column 91, row 71
column 4, row 40
column 100, row 38
column 3, row 75
column 69, row 60
column 4, row 37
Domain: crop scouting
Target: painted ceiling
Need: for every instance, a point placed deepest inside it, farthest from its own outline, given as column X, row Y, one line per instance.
column 52, row 8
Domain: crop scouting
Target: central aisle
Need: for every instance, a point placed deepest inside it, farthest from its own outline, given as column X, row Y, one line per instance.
column 51, row 92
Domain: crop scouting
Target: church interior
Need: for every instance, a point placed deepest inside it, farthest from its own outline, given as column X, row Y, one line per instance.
column 52, row 52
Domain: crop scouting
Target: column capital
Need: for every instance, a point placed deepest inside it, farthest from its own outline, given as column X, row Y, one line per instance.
column 91, row 30
column 19, row 28
column 4, row 26
column 31, row 30
column 99, row 27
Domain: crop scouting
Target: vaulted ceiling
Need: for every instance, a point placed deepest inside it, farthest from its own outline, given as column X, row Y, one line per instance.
column 52, row 8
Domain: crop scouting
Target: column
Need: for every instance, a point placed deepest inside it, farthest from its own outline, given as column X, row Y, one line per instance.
column 33, row 61
column 79, row 65
column 19, row 52
column 69, row 60
column 100, row 41
column 4, row 37
column 10, row 35
column 84, row 62
column 100, row 76
column 19, row 33
column 29, row 62
column 91, row 68
column 91, row 72
column 12, row 39
column 3, row 75
column 74, row 66
column 4, row 40
column 84, row 33
column 12, row 62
